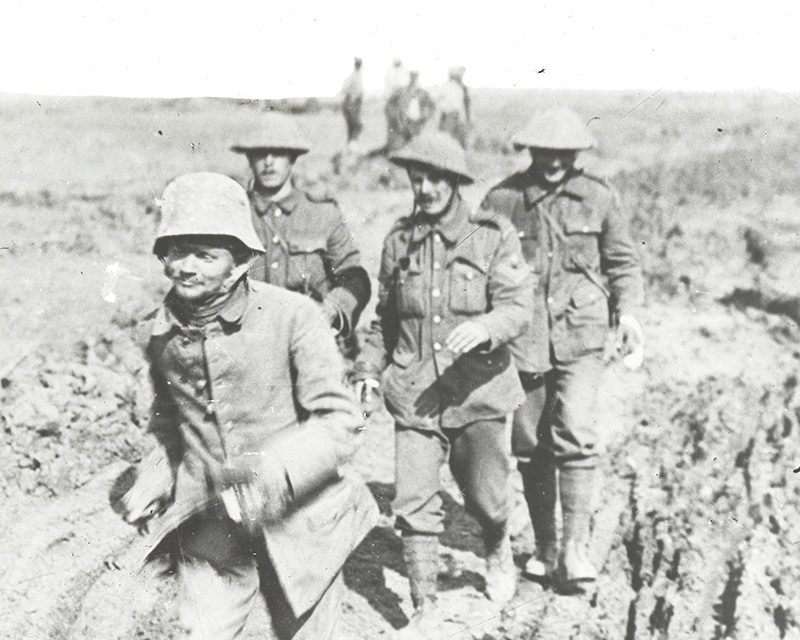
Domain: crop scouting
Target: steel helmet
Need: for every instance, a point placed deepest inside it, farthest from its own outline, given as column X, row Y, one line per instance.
column 438, row 150
column 271, row 130
column 555, row 129
column 208, row 204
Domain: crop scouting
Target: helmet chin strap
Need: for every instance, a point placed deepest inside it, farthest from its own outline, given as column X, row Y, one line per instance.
column 237, row 273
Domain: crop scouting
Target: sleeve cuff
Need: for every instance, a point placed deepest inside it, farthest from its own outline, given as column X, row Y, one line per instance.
column 308, row 462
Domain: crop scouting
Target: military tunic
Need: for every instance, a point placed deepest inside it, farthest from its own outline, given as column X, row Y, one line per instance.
column 576, row 240
column 310, row 250
column 435, row 276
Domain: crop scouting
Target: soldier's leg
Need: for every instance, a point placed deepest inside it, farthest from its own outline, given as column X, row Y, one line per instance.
column 218, row 575
column 530, row 440
column 480, row 462
column 419, row 455
column 574, row 431
column 319, row 623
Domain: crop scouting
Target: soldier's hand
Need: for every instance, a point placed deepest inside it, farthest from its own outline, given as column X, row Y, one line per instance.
column 367, row 395
column 467, row 336
column 140, row 504
column 630, row 342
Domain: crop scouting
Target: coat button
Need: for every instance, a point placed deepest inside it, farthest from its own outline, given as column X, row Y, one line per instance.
column 470, row 275
column 437, row 346
column 586, row 229
column 274, row 265
column 550, row 300
column 436, row 293
column 437, row 265
column 200, row 385
column 276, row 239
column 437, row 319
column 521, row 234
column 278, row 212
column 437, row 238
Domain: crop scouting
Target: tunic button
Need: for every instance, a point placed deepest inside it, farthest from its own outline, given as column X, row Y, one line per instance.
column 200, row 385
column 276, row 239
column 437, row 346
column 549, row 254
column 436, row 293
column 437, row 265
column 586, row 229
column 278, row 213
column 550, row 300
column 274, row 265
column 470, row 276
column 437, row 319
column 521, row 234
column 437, row 238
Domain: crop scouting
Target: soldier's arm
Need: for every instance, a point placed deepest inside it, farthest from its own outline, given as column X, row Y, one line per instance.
column 351, row 287
column 380, row 337
column 151, row 490
column 313, row 453
column 510, row 290
column 619, row 260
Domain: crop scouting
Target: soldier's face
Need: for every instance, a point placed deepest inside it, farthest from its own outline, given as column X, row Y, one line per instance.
column 199, row 271
column 433, row 190
column 552, row 164
column 271, row 167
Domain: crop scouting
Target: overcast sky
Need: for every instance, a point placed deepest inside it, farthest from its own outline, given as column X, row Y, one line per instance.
column 276, row 49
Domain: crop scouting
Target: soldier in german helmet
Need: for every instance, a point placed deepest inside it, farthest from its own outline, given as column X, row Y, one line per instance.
column 308, row 246
column 253, row 425
column 454, row 290
column 575, row 237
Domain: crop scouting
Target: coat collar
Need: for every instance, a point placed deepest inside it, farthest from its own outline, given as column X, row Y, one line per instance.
column 455, row 228
column 286, row 201
column 535, row 190
column 231, row 314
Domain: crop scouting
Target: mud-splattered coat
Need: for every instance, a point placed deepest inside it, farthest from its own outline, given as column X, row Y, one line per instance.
column 565, row 233
column 263, row 379
column 433, row 277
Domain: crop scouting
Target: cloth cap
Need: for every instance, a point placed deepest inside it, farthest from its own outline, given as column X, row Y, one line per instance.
column 555, row 129
column 438, row 150
column 271, row 130
column 208, row 204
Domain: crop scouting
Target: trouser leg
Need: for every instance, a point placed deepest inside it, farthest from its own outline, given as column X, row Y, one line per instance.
column 480, row 462
column 530, row 445
column 218, row 575
column 420, row 517
column 574, row 433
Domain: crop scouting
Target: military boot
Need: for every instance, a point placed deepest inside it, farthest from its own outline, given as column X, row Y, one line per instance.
column 539, row 484
column 421, row 555
column 576, row 487
column 501, row 574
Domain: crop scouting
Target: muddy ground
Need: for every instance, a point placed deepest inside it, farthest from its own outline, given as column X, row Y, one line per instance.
column 696, row 522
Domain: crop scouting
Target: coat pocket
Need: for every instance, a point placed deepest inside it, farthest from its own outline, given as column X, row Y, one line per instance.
column 467, row 288
column 582, row 231
column 410, row 290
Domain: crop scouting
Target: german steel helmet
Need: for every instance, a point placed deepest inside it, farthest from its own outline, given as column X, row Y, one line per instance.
column 438, row 150
column 208, row 204
column 271, row 130
column 555, row 129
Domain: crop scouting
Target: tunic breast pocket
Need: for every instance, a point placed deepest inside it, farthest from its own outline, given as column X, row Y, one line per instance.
column 306, row 268
column 467, row 288
column 582, row 250
column 410, row 290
